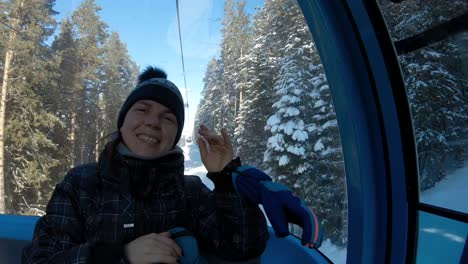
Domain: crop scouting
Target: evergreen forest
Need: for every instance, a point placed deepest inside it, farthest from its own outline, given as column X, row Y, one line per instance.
column 63, row 83
column 269, row 88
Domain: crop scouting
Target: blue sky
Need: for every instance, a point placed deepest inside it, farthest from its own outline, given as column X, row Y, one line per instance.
column 149, row 28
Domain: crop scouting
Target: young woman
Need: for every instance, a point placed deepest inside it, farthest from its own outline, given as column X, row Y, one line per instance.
column 121, row 209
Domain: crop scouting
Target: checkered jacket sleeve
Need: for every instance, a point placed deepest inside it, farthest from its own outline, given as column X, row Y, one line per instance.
column 226, row 225
column 59, row 234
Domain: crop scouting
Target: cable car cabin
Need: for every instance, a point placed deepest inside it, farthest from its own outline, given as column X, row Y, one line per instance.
column 360, row 107
column 20, row 229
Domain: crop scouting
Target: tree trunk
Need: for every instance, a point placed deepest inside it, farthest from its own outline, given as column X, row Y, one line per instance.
column 4, row 92
column 96, row 148
column 8, row 57
column 81, row 152
column 72, row 137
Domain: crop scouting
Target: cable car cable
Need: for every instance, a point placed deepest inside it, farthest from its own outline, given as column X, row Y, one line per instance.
column 182, row 55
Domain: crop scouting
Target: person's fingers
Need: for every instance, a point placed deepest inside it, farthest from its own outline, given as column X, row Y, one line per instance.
column 151, row 235
column 214, row 139
column 205, row 133
column 226, row 138
column 203, row 130
column 165, row 234
column 163, row 258
column 164, row 243
column 202, row 147
column 170, row 244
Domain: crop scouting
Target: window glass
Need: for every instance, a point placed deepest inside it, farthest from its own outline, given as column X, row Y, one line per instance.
column 267, row 86
column 249, row 66
column 444, row 238
column 435, row 72
column 436, row 80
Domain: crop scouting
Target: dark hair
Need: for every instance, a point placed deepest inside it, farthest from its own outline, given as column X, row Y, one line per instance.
column 111, row 146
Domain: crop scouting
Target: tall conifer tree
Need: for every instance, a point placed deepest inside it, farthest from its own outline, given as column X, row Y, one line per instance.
column 26, row 148
column 91, row 36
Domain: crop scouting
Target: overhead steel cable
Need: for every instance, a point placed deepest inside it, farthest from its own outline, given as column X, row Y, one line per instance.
column 182, row 55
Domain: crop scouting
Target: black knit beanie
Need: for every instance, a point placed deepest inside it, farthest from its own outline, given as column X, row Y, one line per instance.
column 153, row 85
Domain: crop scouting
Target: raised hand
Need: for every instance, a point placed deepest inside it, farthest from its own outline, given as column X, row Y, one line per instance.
column 215, row 150
column 153, row 248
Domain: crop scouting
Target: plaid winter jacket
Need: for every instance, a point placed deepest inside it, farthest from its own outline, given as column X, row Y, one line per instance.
column 98, row 208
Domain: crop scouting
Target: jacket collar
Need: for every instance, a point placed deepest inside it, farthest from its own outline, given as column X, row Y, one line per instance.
column 143, row 177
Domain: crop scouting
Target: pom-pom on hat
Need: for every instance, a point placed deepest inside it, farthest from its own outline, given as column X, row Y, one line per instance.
column 153, row 85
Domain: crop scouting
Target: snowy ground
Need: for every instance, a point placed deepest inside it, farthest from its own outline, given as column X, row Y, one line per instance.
column 450, row 193
column 193, row 164
column 441, row 240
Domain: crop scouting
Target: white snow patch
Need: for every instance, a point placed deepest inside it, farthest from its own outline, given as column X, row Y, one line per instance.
column 312, row 128
column 283, row 160
column 319, row 145
column 329, row 151
column 194, row 158
column 315, row 94
column 432, row 53
column 319, row 103
column 276, row 142
column 330, row 123
column 297, row 150
column 324, row 87
column 292, row 111
column 273, row 120
column 451, row 192
column 281, row 177
column 336, row 254
column 300, row 135
column 290, row 99
column 289, row 127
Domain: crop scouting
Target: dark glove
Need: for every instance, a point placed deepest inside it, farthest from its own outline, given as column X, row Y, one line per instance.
column 280, row 204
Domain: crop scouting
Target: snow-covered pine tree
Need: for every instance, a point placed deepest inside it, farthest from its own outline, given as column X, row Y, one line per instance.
column 209, row 110
column 236, row 32
column 304, row 149
column 286, row 151
column 260, row 70
column 434, row 81
column 249, row 119
column 325, row 184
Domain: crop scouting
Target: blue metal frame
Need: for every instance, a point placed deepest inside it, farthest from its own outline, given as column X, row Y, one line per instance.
column 17, row 227
column 375, row 126
column 17, row 230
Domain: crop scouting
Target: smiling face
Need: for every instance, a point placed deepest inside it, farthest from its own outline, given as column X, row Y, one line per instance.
column 149, row 128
